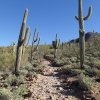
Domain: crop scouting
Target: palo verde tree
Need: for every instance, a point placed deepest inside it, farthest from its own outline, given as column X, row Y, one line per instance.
column 81, row 20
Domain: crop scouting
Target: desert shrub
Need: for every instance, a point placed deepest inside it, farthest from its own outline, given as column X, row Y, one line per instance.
column 73, row 59
column 66, row 53
column 85, row 82
column 44, row 50
column 90, row 61
column 6, row 94
column 96, row 54
column 69, row 70
column 92, row 72
column 12, row 80
column 7, row 61
column 23, row 72
column 28, row 67
column 32, row 74
column 34, row 68
column 58, row 62
column 97, row 64
column 49, row 57
column 21, row 90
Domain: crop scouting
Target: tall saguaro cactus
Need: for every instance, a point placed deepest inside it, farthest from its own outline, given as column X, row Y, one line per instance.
column 23, row 36
column 81, row 20
column 56, row 45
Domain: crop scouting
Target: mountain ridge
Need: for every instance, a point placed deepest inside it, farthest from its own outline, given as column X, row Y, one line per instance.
column 88, row 36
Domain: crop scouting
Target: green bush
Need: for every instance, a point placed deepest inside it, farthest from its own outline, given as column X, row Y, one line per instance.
column 7, row 61
column 58, row 62
column 85, row 82
column 6, row 94
column 12, row 80
column 21, row 90
column 92, row 72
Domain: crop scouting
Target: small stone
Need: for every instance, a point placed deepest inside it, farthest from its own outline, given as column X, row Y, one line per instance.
column 52, row 97
column 42, row 98
column 60, row 88
column 48, row 91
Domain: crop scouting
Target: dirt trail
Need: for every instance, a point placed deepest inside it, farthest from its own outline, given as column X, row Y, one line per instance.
column 47, row 86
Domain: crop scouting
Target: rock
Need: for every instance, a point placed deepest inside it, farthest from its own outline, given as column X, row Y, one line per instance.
column 60, row 88
column 38, row 76
column 52, row 97
column 42, row 98
column 48, row 91
column 58, row 83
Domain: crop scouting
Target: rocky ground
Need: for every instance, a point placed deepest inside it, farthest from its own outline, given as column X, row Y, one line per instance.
column 47, row 86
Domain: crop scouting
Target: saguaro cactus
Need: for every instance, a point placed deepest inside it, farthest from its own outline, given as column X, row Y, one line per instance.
column 23, row 36
column 81, row 20
column 13, row 47
column 26, row 45
column 62, row 45
column 36, row 38
column 56, row 45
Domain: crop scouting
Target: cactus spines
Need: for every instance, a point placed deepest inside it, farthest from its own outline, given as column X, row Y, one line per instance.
column 56, row 45
column 81, row 20
column 23, row 36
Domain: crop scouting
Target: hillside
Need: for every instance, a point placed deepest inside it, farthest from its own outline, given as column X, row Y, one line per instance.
column 88, row 36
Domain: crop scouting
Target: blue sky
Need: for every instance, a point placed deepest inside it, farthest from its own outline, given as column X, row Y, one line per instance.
column 48, row 16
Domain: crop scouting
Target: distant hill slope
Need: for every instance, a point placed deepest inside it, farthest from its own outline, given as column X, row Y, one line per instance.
column 88, row 37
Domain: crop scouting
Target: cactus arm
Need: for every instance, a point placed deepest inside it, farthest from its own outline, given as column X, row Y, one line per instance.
column 36, row 37
column 29, row 39
column 33, row 37
column 26, row 35
column 89, row 13
column 38, row 41
column 76, row 18
column 37, row 45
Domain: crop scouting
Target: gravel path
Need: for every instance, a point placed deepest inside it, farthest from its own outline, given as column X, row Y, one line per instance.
column 47, row 86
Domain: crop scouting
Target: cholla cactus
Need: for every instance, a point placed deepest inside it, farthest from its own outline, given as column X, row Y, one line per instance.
column 81, row 20
column 56, row 45
column 23, row 36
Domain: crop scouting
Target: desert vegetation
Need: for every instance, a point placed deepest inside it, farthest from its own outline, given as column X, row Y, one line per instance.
column 59, row 71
